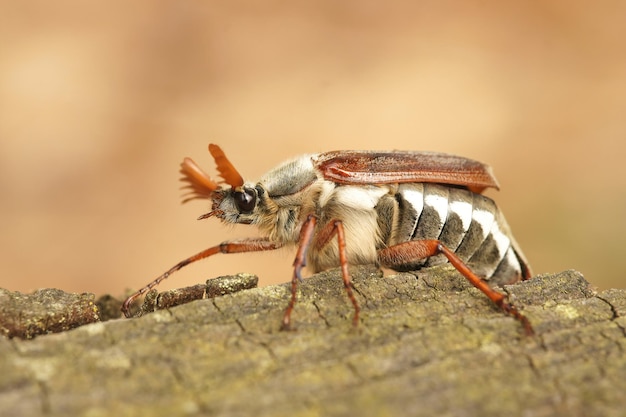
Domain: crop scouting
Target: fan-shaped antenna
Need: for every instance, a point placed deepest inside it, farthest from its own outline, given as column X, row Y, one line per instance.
column 200, row 185
column 226, row 169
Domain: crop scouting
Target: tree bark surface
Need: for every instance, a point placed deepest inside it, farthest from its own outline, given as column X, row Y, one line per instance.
column 428, row 344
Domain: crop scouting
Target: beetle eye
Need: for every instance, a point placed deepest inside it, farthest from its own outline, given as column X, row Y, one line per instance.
column 245, row 200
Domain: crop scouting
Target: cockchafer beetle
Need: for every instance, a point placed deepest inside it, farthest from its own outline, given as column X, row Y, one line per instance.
column 400, row 210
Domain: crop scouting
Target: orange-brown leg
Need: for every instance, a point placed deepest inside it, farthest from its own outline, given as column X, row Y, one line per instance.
column 406, row 252
column 331, row 229
column 248, row 245
column 306, row 234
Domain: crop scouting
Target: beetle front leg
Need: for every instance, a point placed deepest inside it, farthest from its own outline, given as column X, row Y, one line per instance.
column 406, row 252
column 246, row 245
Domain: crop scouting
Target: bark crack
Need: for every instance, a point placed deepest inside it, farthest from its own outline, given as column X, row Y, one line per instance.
column 320, row 313
column 615, row 313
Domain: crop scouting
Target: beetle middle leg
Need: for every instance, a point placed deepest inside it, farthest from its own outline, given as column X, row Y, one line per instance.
column 334, row 227
column 406, row 252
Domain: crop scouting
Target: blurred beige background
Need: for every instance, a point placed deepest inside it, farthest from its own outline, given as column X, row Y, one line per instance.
column 100, row 101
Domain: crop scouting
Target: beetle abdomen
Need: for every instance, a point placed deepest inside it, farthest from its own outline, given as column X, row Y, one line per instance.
column 469, row 224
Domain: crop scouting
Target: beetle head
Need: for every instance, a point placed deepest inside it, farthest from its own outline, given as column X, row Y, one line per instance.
column 235, row 204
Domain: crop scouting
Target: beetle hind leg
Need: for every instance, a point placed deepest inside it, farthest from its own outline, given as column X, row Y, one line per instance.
column 406, row 252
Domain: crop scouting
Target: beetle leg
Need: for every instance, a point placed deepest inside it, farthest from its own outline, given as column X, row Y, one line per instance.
column 419, row 249
column 306, row 234
column 331, row 229
column 235, row 246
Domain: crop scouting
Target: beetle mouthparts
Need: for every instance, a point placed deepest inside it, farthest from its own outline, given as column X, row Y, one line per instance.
column 216, row 213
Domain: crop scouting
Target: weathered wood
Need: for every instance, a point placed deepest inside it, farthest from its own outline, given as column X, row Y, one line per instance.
column 51, row 310
column 44, row 311
column 427, row 345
